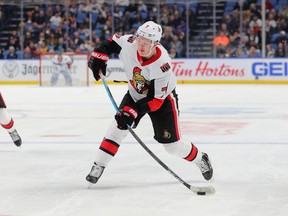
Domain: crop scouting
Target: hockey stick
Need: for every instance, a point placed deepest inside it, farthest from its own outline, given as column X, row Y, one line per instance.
column 120, row 81
column 197, row 190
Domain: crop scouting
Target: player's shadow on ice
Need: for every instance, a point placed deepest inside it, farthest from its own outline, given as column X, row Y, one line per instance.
column 145, row 185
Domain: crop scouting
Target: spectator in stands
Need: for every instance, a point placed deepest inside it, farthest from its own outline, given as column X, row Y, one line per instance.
column 11, row 53
column 239, row 53
column 173, row 53
column 58, row 9
column 41, row 20
column 166, row 37
column 117, row 18
column 96, row 6
column 1, row 52
column 253, row 38
column 77, row 40
column 42, row 49
column 270, row 51
column 255, row 24
column 12, row 42
column 58, row 32
column 230, row 52
column 27, row 39
column 27, row 53
column 122, row 2
column 142, row 7
column 33, row 50
column 177, row 44
column 280, row 51
column 282, row 38
column 224, row 29
column 221, row 42
column 28, row 17
column 84, row 7
column 151, row 16
column 34, row 34
column 49, row 12
column 72, row 29
column 283, row 11
column 234, row 40
column 164, row 15
column 56, row 19
column 86, row 46
column 282, row 24
column 60, row 46
column 269, row 5
column 42, row 37
column 51, row 41
column 230, row 22
column 271, row 26
column 14, row 34
column 254, row 53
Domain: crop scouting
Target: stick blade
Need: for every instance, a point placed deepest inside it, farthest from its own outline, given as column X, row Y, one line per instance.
column 203, row 190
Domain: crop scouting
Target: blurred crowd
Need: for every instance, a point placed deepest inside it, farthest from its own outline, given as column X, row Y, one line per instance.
column 55, row 28
column 230, row 42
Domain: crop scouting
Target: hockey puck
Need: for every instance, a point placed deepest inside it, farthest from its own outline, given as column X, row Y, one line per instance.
column 201, row 193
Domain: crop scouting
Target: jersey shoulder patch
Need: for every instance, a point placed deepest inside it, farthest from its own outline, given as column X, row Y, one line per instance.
column 165, row 67
column 131, row 39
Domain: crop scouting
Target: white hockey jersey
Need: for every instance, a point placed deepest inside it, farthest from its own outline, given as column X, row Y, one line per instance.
column 62, row 64
column 140, row 73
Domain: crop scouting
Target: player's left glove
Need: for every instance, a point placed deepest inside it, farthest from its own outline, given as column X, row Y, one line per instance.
column 98, row 63
column 126, row 117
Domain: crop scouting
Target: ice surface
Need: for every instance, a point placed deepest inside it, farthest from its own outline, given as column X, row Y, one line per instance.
column 242, row 127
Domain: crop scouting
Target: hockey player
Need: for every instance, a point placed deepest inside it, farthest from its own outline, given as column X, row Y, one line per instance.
column 7, row 123
column 62, row 65
column 151, row 90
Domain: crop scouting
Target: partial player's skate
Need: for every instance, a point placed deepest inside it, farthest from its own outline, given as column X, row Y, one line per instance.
column 16, row 138
column 205, row 167
column 95, row 173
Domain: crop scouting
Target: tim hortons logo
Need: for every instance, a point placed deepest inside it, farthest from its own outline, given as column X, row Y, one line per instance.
column 100, row 56
column 204, row 69
column 165, row 67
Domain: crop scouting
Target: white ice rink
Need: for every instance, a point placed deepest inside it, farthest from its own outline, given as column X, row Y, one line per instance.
column 244, row 128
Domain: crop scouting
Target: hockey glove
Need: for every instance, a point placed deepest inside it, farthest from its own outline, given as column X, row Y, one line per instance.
column 126, row 117
column 98, row 63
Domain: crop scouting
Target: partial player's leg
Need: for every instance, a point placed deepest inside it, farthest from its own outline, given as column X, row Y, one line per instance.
column 7, row 123
column 108, row 147
column 67, row 77
column 54, row 78
column 166, row 131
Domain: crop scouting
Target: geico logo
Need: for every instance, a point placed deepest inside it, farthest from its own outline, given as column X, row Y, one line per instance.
column 270, row 69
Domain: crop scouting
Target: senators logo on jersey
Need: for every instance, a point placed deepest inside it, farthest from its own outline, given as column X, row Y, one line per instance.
column 165, row 67
column 139, row 83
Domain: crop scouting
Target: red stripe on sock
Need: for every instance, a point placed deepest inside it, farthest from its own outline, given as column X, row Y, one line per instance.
column 192, row 154
column 109, row 146
column 9, row 125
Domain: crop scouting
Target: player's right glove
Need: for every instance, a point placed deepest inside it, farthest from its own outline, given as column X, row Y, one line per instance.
column 98, row 63
column 126, row 117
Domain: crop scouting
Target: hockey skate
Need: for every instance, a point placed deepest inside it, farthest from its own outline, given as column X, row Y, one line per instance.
column 205, row 167
column 95, row 173
column 16, row 138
